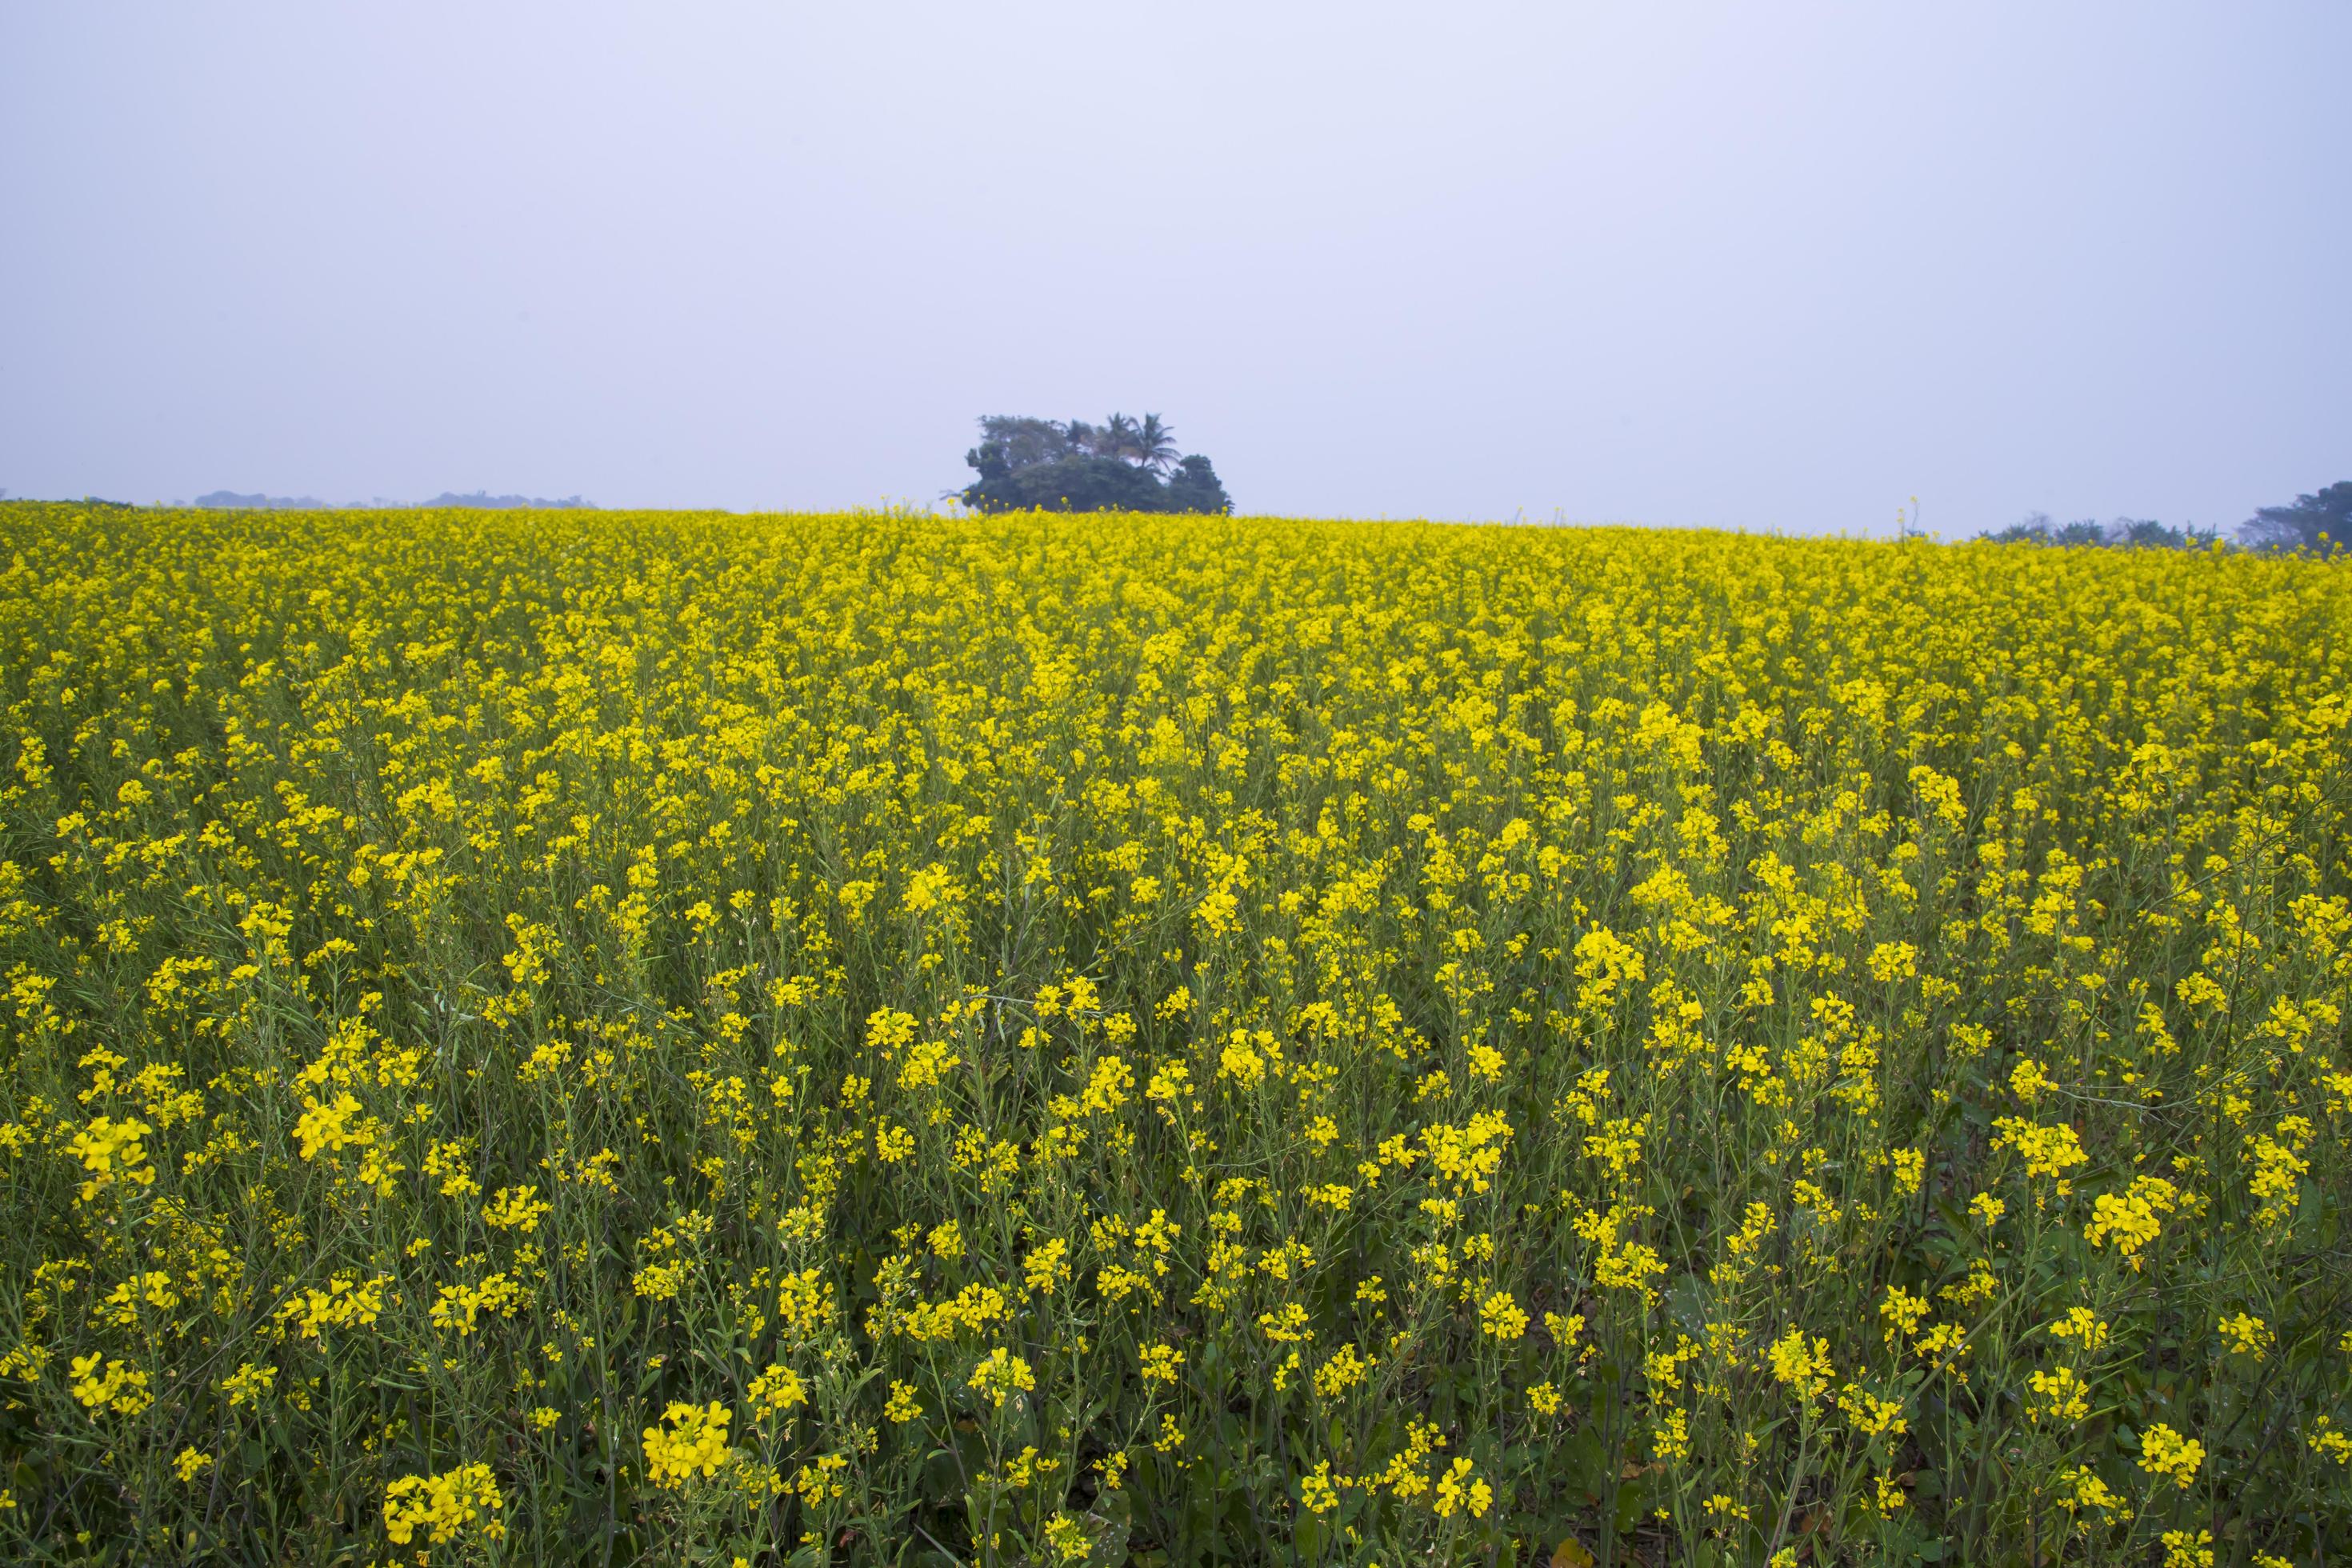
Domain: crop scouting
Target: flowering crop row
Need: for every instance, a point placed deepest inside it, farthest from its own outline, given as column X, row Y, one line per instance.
column 1089, row 1040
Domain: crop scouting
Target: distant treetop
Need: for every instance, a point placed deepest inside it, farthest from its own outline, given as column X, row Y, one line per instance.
column 2123, row 533
column 487, row 501
column 1121, row 465
column 2320, row 523
column 232, row 500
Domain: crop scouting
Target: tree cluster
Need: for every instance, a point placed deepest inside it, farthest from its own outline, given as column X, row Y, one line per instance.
column 2319, row 524
column 2122, row 533
column 1121, row 465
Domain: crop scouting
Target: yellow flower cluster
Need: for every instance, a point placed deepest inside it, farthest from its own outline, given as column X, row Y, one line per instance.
column 776, row 1391
column 114, row 1387
column 691, row 1442
column 347, row 1301
column 1000, row 1374
column 2164, row 1452
column 2131, row 1219
column 443, row 1505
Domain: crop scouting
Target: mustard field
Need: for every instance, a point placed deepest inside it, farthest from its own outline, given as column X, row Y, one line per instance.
column 614, row 1038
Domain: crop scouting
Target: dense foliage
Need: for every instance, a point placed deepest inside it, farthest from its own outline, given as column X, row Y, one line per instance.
column 2319, row 522
column 2123, row 533
column 2315, row 525
column 571, row 1037
column 1121, row 465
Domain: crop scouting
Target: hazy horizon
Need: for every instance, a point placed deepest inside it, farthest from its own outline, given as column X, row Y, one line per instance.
column 1776, row 268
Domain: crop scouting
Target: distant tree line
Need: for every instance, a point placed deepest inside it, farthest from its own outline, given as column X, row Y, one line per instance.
column 1121, row 465
column 2319, row 524
column 231, row 501
column 2122, row 532
column 483, row 500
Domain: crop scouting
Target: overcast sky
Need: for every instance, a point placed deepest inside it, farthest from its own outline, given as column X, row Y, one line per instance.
column 1774, row 266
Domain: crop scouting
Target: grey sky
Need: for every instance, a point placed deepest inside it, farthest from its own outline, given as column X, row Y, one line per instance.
column 1772, row 265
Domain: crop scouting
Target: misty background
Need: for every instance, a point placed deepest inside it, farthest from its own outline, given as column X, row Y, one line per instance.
column 1777, row 267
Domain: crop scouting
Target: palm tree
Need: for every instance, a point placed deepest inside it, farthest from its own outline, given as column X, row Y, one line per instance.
column 1157, row 443
column 1118, row 434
